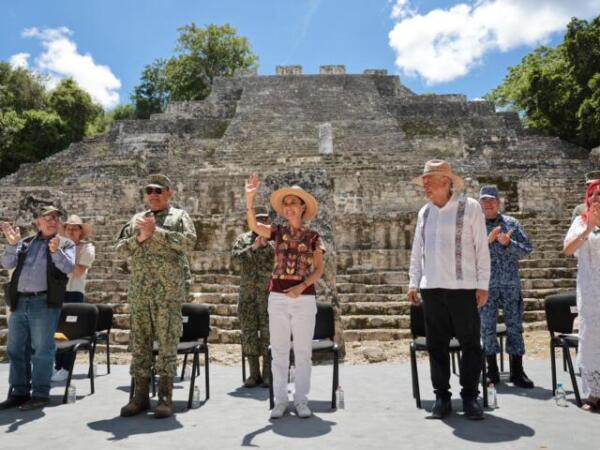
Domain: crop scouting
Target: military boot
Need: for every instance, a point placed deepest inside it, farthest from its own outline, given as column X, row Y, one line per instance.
column 517, row 374
column 140, row 401
column 266, row 378
column 493, row 374
column 254, row 379
column 165, row 398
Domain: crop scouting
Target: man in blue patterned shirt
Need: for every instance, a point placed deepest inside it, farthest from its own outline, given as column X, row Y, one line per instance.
column 508, row 243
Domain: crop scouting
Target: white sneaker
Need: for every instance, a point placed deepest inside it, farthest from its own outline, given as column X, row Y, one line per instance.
column 60, row 375
column 302, row 410
column 278, row 411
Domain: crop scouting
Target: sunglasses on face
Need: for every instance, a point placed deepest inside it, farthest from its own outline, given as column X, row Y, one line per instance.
column 152, row 190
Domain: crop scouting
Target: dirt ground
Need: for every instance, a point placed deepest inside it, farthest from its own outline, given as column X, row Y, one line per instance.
column 365, row 352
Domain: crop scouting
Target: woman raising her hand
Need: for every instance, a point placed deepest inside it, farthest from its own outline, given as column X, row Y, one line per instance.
column 292, row 296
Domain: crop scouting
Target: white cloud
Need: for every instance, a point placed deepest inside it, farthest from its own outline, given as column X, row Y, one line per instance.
column 61, row 59
column 20, row 60
column 445, row 44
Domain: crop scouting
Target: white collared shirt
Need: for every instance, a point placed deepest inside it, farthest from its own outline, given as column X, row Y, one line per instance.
column 450, row 247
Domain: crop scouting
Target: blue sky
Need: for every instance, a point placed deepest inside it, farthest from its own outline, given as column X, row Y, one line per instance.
column 441, row 46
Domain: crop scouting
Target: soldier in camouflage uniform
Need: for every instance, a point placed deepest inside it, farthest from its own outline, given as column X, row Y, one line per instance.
column 156, row 242
column 508, row 243
column 256, row 258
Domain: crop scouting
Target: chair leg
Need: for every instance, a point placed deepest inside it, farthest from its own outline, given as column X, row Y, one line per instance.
column 131, row 388
column 501, row 353
column 193, row 379
column 183, row 367
column 206, row 371
column 91, row 369
column 484, row 379
column 415, row 377
column 108, row 351
column 553, row 365
column 567, row 355
column 65, row 396
column 243, row 367
column 271, row 400
column 92, row 350
column 336, row 379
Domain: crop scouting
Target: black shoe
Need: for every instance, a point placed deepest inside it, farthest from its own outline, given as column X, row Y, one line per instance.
column 472, row 409
column 34, row 403
column 517, row 374
column 521, row 380
column 493, row 374
column 441, row 408
column 13, row 401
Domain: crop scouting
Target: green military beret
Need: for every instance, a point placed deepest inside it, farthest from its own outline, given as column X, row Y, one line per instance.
column 159, row 180
column 592, row 176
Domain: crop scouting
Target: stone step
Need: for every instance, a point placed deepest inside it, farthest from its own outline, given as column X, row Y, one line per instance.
column 548, row 263
column 552, row 273
column 365, row 322
column 545, row 283
column 373, row 277
column 399, row 296
column 355, row 288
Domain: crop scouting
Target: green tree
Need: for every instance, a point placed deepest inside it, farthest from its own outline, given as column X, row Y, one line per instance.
column 20, row 89
column 152, row 94
column 557, row 90
column 75, row 107
column 201, row 54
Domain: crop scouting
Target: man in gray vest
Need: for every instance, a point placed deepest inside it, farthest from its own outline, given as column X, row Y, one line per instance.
column 35, row 294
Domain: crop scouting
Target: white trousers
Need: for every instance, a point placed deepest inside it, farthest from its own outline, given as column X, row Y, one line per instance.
column 291, row 317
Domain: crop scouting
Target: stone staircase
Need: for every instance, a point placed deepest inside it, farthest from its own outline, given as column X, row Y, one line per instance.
column 381, row 133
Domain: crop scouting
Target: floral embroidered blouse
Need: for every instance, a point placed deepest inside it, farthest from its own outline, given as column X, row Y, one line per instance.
column 294, row 257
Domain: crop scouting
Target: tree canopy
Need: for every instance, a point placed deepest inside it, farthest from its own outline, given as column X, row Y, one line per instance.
column 557, row 90
column 201, row 54
column 36, row 122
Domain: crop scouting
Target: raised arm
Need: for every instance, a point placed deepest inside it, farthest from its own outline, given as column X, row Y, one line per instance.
column 261, row 229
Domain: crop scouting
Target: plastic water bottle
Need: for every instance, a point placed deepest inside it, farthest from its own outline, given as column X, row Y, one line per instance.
column 560, row 396
column 492, row 397
column 339, row 394
column 95, row 370
column 71, row 394
column 196, row 398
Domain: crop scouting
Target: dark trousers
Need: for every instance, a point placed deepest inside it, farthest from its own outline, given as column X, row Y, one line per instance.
column 64, row 360
column 452, row 313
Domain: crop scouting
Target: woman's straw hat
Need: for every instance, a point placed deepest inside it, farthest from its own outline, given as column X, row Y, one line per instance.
column 312, row 205
column 86, row 228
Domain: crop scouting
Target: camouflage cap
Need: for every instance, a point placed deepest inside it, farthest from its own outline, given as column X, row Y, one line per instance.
column 45, row 210
column 261, row 212
column 592, row 176
column 159, row 180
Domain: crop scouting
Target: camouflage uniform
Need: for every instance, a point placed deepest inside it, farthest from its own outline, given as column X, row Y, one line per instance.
column 505, row 288
column 160, row 282
column 256, row 268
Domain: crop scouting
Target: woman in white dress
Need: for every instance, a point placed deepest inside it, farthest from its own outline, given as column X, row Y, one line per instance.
column 583, row 241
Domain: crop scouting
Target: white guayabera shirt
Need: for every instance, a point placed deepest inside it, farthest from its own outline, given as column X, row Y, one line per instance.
column 450, row 247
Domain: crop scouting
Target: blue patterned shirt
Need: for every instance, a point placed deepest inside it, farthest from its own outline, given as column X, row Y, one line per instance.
column 505, row 259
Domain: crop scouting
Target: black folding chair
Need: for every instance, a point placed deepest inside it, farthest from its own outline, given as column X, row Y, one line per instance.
column 419, row 344
column 196, row 328
column 323, row 342
column 105, row 318
column 561, row 311
column 78, row 322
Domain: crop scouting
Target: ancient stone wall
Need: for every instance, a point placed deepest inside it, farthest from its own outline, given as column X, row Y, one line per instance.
column 378, row 134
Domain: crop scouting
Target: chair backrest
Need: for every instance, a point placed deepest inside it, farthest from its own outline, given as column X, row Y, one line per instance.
column 78, row 320
column 105, row 317
column 561, row 310
column 324, row 322
column 417, row 321
column 196, row 322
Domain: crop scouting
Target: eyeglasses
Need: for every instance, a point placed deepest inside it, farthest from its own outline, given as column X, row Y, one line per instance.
column 151, row 190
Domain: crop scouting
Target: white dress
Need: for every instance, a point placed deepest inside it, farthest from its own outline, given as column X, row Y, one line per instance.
column 588, row 306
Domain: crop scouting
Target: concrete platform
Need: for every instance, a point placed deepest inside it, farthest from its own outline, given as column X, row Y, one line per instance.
column 380, row 414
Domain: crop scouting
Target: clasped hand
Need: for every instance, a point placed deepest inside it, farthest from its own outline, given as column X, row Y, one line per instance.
column 146, row 227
